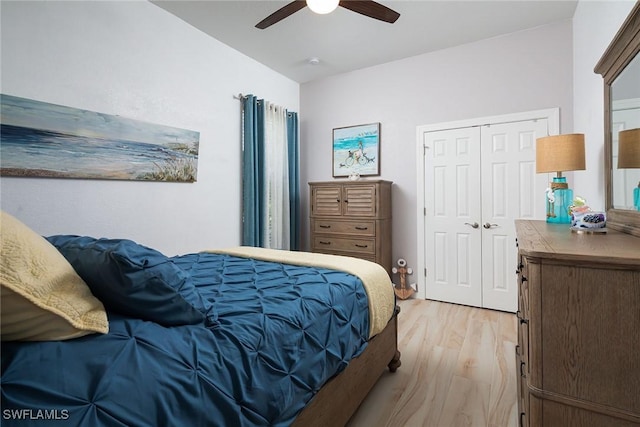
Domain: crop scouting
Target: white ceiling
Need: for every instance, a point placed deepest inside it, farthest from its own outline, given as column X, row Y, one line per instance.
column 344, row 40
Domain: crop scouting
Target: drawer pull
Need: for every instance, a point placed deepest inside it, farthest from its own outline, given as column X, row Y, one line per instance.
column 518, row 350
column 522, row 373
column 520, row 318
column 519, row 268
column 324, row 226
column 359, row 227
column 361, row 246
column 522, row 423
column 324, row 243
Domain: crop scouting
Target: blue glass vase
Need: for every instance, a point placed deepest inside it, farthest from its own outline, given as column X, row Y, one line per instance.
column 559, row 201
column 636, row 197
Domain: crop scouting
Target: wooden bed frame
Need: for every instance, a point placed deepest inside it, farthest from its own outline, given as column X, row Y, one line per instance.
column 341, row 396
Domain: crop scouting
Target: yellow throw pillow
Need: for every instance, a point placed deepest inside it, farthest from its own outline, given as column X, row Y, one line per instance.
column 42, row 298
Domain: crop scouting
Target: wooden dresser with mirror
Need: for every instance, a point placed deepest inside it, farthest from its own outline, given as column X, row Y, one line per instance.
column 578, row 352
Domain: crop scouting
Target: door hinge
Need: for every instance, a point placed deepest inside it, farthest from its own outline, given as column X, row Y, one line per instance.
column 424, row 211
column 425, row 272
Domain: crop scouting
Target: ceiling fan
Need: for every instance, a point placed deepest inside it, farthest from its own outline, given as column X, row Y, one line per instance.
column 368, row 8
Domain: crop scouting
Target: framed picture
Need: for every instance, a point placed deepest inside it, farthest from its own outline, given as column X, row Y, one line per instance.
column 356, row 150
column 46, row 140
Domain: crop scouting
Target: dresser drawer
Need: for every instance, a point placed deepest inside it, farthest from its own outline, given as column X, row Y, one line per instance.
column 359, row 228
column 330, row 243
column 523, row 315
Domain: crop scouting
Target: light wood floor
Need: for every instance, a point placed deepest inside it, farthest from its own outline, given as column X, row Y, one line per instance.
column 458, row 369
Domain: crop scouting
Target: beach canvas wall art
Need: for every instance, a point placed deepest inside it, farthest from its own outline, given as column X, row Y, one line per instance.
column 356, row 150
column 40, row 139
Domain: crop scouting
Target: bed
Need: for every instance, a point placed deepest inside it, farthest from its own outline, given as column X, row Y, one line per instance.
column 107, row 332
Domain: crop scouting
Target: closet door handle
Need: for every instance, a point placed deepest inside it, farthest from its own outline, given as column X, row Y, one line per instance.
column 474, row 225
column 488, row 226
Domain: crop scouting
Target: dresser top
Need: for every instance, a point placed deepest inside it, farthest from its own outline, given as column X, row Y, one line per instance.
column 556, row 241
column 349, row 181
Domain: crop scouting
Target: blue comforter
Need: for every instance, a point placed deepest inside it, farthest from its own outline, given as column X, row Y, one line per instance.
column 272, row 335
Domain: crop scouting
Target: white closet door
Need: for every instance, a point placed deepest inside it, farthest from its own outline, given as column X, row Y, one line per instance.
column 511, row 190
column 453, row 231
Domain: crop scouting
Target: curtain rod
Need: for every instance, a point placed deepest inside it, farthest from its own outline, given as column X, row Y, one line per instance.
column 240, row 96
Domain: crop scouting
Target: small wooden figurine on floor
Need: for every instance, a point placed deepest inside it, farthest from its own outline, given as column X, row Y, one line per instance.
column 403, row 291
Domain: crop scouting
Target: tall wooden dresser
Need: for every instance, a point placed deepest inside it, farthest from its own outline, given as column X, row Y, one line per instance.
column 578, row 353
column 352, row 218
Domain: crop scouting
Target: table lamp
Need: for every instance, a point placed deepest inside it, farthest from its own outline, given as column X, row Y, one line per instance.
column 559, row 153
column 629, row 156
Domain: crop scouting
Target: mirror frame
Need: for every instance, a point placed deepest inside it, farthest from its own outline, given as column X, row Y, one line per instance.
column 623, row 48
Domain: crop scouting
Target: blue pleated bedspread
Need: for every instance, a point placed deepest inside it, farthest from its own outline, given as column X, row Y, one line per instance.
column 276, row 334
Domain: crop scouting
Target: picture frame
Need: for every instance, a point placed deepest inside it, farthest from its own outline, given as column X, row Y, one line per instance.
column 356, row 150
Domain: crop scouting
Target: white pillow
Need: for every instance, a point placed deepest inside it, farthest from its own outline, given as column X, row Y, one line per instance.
column 42, row 298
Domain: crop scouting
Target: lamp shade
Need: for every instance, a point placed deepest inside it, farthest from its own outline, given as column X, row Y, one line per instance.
column 560, row 153
column 629, row 149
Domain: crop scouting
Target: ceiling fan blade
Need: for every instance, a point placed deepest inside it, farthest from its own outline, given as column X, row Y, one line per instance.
column 371, row 9
column 281, row 13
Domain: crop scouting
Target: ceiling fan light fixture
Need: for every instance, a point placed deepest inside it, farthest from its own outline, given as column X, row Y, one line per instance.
column 322, row 6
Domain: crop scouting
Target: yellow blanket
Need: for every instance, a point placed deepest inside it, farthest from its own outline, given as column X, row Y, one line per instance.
column 377, row 283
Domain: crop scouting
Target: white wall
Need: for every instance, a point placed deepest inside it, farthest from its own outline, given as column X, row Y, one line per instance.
column 595, row 23
column 528, row 70
column 135, row 60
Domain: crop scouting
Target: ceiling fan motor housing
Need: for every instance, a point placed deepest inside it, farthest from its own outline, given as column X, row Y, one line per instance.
column 368, row 8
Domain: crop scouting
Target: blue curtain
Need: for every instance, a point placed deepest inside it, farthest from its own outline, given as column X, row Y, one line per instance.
column 252, row 171
column 294, row 179
column 253, row 182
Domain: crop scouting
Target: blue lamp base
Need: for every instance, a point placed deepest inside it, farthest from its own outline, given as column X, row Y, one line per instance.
column 559, row 200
